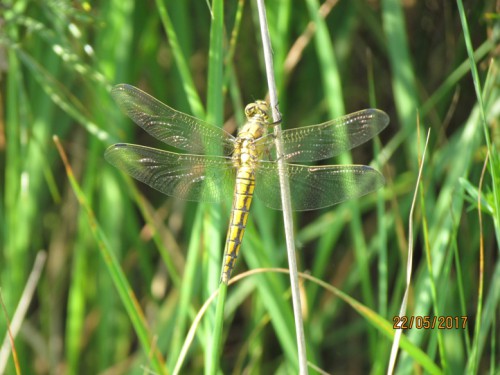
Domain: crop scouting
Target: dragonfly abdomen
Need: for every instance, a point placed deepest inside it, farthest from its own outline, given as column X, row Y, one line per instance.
column 243, row 195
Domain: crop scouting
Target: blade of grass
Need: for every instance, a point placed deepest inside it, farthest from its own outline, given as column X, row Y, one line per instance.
column 9, row 342
column 480, row 291
column 12, row 277
column 196, row 322
column 409, row 265
column 62, row 97
column 433, row 286
column 333, row 93
column 454, row 77
column 488, row 317
column 124, row 290
column 215, row 350
column 113, row 46
column 379, row 323
column 332, row 86
column 479, row 93
column 186, row 294
column 271, row 289
column 77, row 291
column 215, row 104
column 383, row 274
column 382, row 245
column 187, row 79
column 441, row 221
column 20, row 313
column 403, row 81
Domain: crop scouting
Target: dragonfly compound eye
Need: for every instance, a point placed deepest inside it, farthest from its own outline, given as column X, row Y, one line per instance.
column 259, row 108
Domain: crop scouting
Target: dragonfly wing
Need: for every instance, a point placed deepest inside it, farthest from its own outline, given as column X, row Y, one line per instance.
column 323, row 141
column 184, row 176
column 314, row 187
column 170, row 126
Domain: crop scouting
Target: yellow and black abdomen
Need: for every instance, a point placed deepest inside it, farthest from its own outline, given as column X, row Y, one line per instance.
column 243, row 195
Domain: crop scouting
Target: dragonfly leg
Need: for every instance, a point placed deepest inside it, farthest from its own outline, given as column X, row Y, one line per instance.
column 279, row 120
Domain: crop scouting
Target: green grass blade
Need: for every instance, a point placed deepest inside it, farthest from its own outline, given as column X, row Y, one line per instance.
column 473, row 364
column 214, row 247
column 120, row 281
column 403, row 81
column 189, row 87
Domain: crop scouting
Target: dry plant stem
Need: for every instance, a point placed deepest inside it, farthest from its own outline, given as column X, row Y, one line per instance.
column 402, row 311
column 480, row 289
column 285, row 190
column 22, row 308
column 304, row 39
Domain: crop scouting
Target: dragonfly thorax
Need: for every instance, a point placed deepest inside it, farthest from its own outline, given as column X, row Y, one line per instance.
column 245, row 153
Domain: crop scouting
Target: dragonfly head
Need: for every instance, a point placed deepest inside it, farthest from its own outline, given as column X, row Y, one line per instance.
column 258, row 110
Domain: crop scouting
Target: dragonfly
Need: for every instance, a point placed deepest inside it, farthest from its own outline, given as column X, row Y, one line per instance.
column 220, row 166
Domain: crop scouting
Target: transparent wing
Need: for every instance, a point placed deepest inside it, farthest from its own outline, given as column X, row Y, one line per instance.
column 314, row 187
column 184, row 176
column 170, row 126
column 323, row 141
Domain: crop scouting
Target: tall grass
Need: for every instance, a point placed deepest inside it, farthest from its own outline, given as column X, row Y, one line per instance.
column 122, row 249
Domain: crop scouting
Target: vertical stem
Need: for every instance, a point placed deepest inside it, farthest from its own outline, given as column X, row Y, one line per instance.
column 214, row 116
column 285, row 190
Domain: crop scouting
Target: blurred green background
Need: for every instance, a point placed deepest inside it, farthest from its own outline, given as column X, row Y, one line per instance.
column 58, row 61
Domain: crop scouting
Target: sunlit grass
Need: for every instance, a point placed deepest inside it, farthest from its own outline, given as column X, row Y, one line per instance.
column 411, row 61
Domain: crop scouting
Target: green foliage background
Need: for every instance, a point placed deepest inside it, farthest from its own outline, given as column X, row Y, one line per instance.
column 58, row 61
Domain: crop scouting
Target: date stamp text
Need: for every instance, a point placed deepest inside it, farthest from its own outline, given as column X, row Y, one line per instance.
column 429, row 322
